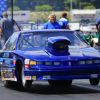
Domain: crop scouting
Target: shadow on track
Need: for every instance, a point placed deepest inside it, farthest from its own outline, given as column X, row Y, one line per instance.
column 45, row 88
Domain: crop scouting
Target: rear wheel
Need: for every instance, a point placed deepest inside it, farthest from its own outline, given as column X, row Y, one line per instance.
column 8, row 83
column 60, row 82
column 94, row 81
column 25, row 83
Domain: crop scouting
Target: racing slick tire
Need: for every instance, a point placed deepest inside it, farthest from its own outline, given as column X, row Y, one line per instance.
column 94, row 81
column 8, row 83
column 25, row 83
column 60, row 82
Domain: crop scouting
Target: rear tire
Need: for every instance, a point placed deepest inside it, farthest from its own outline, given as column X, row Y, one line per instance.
column 94, row 81
column 60, row 82
column 8, row 83
column 25, row 83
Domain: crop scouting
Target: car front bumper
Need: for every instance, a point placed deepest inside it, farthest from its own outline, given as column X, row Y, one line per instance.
column 62, row 74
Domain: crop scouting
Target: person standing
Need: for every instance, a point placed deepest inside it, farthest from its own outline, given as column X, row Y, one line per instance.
column 52, row 24
column 98, row 30
column 63, row 22
column 6, row 29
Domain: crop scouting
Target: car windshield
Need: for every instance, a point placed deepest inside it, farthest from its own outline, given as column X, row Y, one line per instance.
column 30, row 40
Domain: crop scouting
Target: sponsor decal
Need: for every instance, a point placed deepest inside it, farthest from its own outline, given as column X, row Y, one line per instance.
column 14, row 59
column 46, row 77
column 11, row 79
column 7, row 61
column 4, row 79
column 0, row 62
column 27, row 77
column 34, row 77
column 1, row 74
column 27, row 61
column 4, row 71
column 26, row 66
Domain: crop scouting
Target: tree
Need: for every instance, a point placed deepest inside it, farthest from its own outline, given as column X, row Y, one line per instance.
column 38, row 8
column 56, row 5
column 89, row 7
column 43, row 7
column 46, row 8
column 15, row 8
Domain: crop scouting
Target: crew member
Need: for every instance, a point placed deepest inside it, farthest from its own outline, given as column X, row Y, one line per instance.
column 6, row 29
column 52, row 24
column 98, row 30
column 63, row 22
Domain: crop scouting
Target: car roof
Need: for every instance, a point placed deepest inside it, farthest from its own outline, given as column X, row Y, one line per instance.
column 48, row 30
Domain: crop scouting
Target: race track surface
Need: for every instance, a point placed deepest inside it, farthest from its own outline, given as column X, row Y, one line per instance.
column 41, row 90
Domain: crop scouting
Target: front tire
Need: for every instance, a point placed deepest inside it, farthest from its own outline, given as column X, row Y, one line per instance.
column 94, row 81
column 60, row 82
column 25, row 83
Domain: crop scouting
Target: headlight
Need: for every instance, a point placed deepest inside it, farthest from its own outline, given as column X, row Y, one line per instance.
column 81, row 62
column 32, row 62
column 96, row 61
column 57, row 63
column 89, row 62
column 48, row 63
column 39, row 63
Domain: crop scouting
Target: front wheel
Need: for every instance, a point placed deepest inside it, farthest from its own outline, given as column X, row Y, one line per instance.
column 25, row 83
column 94, row 81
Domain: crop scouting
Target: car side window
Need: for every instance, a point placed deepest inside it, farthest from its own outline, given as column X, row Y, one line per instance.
column 12, row 42
column 20, row 42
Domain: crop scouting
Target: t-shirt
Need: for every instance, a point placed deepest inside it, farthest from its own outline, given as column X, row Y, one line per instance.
column 63, row 23
column 7, row 26
column 54, row 25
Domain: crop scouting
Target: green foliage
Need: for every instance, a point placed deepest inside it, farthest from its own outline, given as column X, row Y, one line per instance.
column 15, row 8
column 56, row 5
column 43, row 8
column 38, row 8
column 46, row 8
column 89, row 7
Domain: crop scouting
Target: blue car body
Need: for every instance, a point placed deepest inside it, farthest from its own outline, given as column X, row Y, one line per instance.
column 55, row 60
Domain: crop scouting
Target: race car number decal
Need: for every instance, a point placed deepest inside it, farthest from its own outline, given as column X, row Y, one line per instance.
column 6, row 55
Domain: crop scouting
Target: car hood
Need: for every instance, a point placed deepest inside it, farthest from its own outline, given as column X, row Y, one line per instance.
column 74, row 54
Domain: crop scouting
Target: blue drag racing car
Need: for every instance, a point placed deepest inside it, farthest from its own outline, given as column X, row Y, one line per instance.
column 58, row 56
